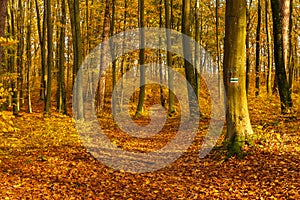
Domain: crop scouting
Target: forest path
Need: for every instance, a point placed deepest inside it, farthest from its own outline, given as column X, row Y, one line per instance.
column 45, row 159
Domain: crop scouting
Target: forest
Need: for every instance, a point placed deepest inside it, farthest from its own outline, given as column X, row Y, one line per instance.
column 157, row 99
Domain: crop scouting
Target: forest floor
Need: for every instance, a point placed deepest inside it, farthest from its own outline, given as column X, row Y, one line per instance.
column 43, row 158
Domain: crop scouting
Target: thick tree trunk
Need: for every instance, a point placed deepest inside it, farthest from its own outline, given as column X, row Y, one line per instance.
column 237, row 117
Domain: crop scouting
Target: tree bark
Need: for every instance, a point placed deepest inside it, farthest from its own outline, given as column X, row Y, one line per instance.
column 257, row 58
column 49, row 58
column 3, row 14
column 189, row 70
column 284, row 90
column 237, row 116
column 141, row 60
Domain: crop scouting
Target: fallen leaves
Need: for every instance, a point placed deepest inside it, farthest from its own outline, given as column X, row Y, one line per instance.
column 45, row 159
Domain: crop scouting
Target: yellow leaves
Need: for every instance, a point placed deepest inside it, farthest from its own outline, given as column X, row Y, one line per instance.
column 7, row 41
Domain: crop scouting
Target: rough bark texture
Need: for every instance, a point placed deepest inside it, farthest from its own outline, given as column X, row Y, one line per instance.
column 237, row 117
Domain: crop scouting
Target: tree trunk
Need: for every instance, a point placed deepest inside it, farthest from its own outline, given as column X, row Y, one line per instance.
column 29, row 57
column 284, row 90
column 77, row 49
column 42, row 33
column 237, row 116
column 169, row 58
column 285, row 10
column 189, row 70
column 248, row 46
column 49, row 58
column 257, row 58
column 61, row 91
column 269, row 47
column 3, row 14
column 139, row 110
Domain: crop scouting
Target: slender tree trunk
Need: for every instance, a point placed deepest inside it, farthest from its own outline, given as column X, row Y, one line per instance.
column 248, row 47
column 142, row 92
column 11, row 31
column 257, row 58
column 269, row 46
column 284, row 90
column 291, row 65
column 112, row 49
column 42, row 34
column 29, row 57
column 61, row 91
column 169, row 58
column 237, row 116
column 105, row 36
column 218, row 49
column 77, row 49
column 49, row 58
column 3, row 14
column 189, row 70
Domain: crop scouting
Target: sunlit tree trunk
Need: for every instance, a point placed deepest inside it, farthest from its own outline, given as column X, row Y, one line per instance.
column 237, row 116
column 269, row 46
column 29, row 55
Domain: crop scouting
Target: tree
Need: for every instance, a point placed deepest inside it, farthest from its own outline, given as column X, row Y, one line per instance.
column 257, row 59
column 237, row 115
column 168, row 21
column 49, row 57
column 283, row 86
column 42, row 36
column 77, row 49
column 270, row 54
column 189, row 70
column 3, row 13
column 61, row 91
column 141, row 60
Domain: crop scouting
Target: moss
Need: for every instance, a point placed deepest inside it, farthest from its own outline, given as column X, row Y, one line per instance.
column 235, row 147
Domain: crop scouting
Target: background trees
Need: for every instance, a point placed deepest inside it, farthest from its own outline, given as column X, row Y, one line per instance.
column 59, row 34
